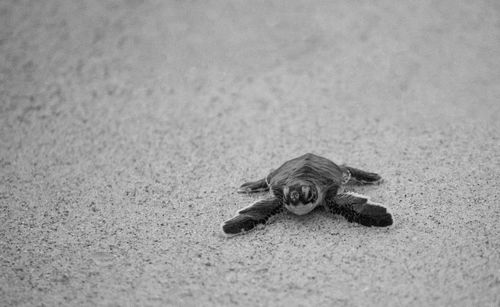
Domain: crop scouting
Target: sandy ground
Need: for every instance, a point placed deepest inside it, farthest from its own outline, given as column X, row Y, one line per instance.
column 126, row 127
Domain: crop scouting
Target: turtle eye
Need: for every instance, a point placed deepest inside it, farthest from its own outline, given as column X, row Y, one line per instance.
column 294, row 196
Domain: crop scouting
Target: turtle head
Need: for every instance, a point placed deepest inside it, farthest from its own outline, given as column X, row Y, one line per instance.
column 300, row 198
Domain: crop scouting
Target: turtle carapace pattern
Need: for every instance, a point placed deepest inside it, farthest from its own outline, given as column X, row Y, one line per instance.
column 304, row 183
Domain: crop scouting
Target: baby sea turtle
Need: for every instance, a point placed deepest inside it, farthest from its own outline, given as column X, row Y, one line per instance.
column 302, row 184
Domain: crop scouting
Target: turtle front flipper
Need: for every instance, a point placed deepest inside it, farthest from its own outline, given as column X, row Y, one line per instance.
column 254, row 186
column 359, row 209
column 363, row 177
column 249, row 217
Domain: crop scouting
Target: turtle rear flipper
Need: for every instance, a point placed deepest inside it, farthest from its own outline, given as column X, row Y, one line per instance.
column 359, row 209
column 360, row 176
column 254, row 186
column 251, row 216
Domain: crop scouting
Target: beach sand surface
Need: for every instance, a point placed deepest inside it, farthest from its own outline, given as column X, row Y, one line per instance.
column 127, row 126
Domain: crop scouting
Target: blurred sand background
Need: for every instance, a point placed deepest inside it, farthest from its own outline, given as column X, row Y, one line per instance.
column 126, row 127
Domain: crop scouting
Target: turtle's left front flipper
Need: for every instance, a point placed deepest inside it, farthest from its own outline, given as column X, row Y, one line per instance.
column 358, row 208
column 249, row 217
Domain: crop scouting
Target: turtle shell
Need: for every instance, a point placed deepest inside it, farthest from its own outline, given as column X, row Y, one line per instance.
column 309, row 168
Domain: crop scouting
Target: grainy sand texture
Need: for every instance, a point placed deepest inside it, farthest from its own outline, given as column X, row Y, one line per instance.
column 127, row 126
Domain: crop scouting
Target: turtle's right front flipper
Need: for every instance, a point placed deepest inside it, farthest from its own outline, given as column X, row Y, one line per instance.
column 249, row 217
column 359, row 209
column 362, row 177
column 254, row 186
